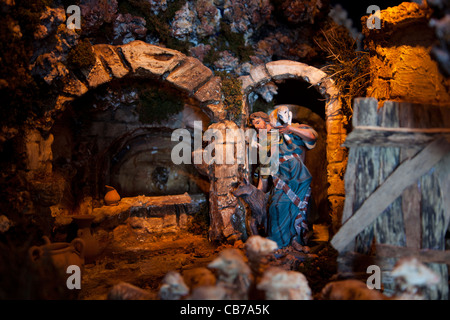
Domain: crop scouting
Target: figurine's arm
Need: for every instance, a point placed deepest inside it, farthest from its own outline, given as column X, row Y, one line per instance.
column 304, row 132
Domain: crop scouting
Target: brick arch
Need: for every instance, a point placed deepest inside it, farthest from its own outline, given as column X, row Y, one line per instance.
column 139, row 59
column 334, row 117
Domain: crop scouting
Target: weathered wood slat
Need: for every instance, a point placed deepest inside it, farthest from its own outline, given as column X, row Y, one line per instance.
column 411, row 207
column 365, row 112
column 443, row 175
column 422, row 116
column 349, row 179
column 433, row 225
column 366, row 182
column 432, row 213
column 424, row 255
column 393, row 137
column 406, row 174
column 388, row 227
column 389, row 115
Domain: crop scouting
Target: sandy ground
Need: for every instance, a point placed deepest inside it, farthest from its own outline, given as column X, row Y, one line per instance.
column 142, row 259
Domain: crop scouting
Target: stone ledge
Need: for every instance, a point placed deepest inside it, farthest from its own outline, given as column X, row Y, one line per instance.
column 164, row 209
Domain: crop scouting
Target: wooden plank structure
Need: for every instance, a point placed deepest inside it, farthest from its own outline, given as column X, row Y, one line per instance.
column 397, row 189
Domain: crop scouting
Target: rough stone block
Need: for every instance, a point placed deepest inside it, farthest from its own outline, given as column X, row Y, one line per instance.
column 335, row 126
column 336, row 170
column 259, row 74
column 61, row 102
column 325, row 86
column 226, row 170
column 224, row 125
column 336, row 186
column 285, row 68
column 337, row 154
column 333, row 106
column 247, row 83
column 215, row 111
column 225, row 185
column 73, row 86
column 210, row 91
column 313, row 75
column 38, row 151
column 112, row 59
column 148, row 59
column 226, row 201
column 226, row 215
column 190, row 75
column 337, row 208
column 97, row 75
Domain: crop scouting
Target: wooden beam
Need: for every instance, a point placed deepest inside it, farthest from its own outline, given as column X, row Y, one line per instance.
column 443, row 168
column 406, row 174
column 424, row 255
column 349, row 179
column 411, row 198
column 393, row 137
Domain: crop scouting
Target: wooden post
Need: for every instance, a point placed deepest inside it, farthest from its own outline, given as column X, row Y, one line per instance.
column 386, row 215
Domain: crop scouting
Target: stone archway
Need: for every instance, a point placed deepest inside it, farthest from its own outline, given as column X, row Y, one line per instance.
column 196, row 82
column 334, row 117
column 139, row 59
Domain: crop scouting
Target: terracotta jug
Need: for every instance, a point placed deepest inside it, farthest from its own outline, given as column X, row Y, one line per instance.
column 92, row 247
column 63, row 254
column 112, row 197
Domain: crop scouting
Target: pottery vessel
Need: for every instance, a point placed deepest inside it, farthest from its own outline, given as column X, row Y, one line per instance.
column 62, row 254
column 112, row 197
column 92, row 247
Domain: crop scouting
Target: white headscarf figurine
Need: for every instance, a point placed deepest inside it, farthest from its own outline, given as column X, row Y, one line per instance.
column 281, row 116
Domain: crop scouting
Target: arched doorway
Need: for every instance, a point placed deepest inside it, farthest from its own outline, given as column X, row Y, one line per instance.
column 291, row 76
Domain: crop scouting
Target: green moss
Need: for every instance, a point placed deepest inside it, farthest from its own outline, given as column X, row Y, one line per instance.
column 233, row 97
column 157, row 104
column 234, row 42
column 82, row 55
column 157, row 25
column 230, row 41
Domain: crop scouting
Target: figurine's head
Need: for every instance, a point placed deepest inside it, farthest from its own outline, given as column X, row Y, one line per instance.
column 281, row 115
column 260, row 120
column 284, row 114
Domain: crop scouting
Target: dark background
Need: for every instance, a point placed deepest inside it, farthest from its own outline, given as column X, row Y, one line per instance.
column 358, row 8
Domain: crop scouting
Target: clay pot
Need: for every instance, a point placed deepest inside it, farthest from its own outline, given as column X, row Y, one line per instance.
column 112, row 197
column 92, row 247
column 62, row 254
